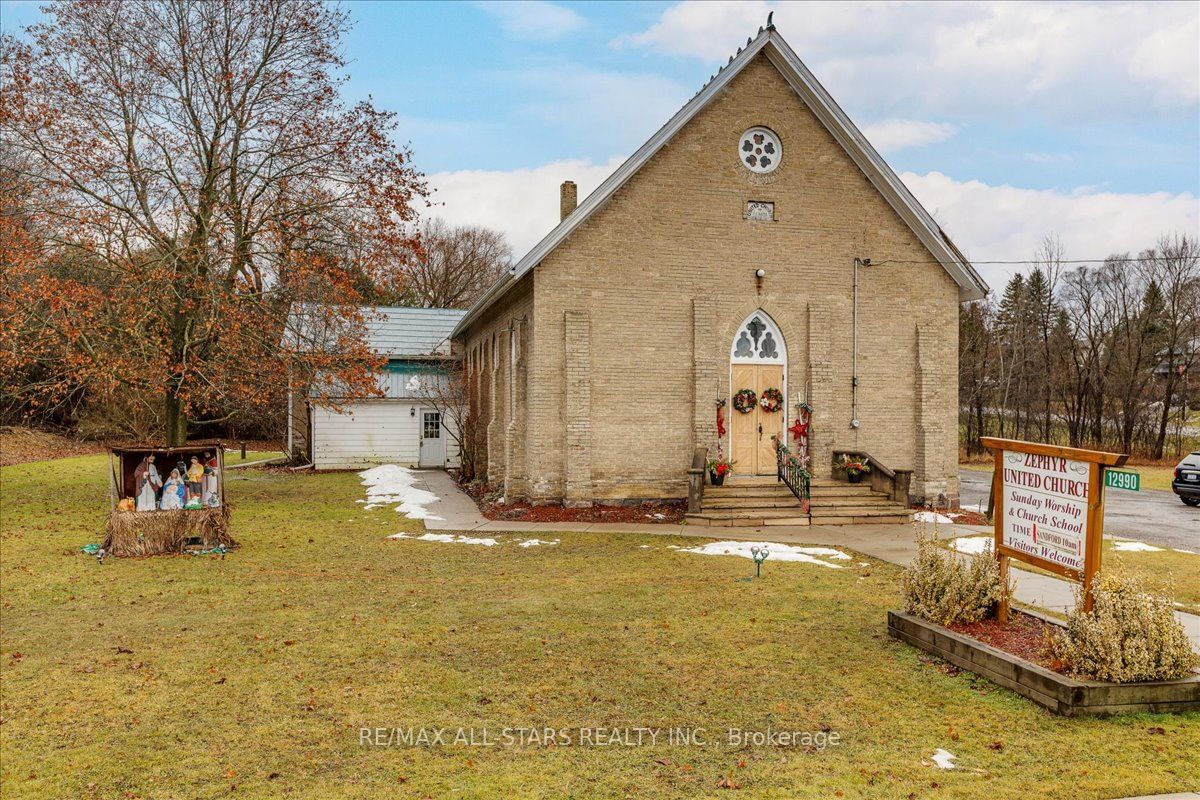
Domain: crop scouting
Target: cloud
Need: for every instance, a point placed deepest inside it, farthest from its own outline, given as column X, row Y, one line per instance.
column 522, row 203
column 1056, row 60
column 1005, row 223
column 598, row 108
column 533, row 19
column 890, row 135
column 990, row 223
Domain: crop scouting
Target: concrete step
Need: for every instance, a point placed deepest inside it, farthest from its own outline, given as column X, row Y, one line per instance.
column 756, row 519
column 720, row 493
column 841, row 519
column 866, row 508
column 776, row 501
column 845, row 514
column 750, row 480
column 843, row 491
column 780, row 488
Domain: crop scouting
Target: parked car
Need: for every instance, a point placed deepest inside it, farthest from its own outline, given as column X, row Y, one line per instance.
column 1187, row 480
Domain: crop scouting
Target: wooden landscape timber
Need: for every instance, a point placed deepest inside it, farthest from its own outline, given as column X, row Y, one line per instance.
column 1062, row 694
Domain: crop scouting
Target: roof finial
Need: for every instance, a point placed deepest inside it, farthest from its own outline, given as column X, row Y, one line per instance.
column 770, row 24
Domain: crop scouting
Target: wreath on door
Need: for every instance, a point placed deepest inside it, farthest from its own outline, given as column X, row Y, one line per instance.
column 771, row 400
column 745, row 400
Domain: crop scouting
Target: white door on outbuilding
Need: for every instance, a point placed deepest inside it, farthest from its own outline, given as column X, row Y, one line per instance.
column 433, row 439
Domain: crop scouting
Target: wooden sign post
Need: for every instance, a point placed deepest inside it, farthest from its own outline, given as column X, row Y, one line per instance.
column 1049, row 509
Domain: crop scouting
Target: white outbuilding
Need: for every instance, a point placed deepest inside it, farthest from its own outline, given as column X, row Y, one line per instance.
column 407, row 425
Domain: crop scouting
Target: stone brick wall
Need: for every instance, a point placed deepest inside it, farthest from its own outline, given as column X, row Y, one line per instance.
column 633, row 316
column 497, row 350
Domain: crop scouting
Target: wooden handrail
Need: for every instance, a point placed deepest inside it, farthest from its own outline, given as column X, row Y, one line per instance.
column 696, row 479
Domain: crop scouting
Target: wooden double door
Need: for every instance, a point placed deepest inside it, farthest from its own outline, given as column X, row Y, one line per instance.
column 751, row 446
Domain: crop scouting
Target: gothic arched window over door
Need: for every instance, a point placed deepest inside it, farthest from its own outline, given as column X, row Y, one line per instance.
column 758, row 341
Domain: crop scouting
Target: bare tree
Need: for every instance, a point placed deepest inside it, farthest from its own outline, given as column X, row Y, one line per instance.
column 458, row 265
column 1174, row 267
column 1099, row 356
column 449, row 392
column 1044, row 290
column 198, row 163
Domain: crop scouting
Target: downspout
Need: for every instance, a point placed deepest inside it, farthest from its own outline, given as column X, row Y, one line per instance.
column 854, row 423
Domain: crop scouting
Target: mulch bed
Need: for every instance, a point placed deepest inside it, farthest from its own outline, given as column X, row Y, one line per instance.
column 968, row 517
column 1023, row 636
column 651, row 512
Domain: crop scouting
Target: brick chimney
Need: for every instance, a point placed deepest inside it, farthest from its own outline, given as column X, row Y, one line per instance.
column 568, row 198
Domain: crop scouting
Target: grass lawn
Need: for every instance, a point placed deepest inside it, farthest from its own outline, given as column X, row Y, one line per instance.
column 234, row 456
column 1173, row 573
column 251, row 675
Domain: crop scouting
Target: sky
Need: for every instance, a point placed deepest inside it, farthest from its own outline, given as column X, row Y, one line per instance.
column 1008, row 121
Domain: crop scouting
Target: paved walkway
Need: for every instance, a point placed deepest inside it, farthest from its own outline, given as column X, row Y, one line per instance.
column 895, row 544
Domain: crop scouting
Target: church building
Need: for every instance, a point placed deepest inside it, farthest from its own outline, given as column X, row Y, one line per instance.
column 756, row 242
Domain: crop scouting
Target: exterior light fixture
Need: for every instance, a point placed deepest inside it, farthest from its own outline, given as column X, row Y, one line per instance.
column 760, row 273
column 412, row 411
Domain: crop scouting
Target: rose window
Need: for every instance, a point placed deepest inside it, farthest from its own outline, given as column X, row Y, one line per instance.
column 760, row 150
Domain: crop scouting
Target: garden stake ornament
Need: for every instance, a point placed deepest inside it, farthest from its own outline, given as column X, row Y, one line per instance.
column 759, row 554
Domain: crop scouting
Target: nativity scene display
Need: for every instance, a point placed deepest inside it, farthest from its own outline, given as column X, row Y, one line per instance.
column 192, row 484
column 167, row 500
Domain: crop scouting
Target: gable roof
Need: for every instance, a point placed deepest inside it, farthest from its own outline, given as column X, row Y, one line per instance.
column 772, row 45
column 396, row 332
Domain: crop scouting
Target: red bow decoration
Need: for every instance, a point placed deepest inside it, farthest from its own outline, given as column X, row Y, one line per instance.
column 720, row 423
column 798, row 430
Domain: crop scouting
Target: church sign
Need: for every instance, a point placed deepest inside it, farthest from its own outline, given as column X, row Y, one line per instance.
column 1049, row 507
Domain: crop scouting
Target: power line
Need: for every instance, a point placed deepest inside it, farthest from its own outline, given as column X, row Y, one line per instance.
column 1019, row 263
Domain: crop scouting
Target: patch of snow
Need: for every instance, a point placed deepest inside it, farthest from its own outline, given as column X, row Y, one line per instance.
column 1189, row 552
column 972, row 545
column 390, row 484
column 448, row 538
column 944, row 759
column 930, row 516
column 778, row 552
column 1136, row 547
column 656, row 516
column 536, row 542
column 643, row 547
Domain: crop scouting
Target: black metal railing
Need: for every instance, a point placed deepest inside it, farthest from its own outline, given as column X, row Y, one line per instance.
column 789, row 468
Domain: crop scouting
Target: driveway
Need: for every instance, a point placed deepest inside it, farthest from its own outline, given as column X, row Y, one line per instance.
column 1153, row 516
